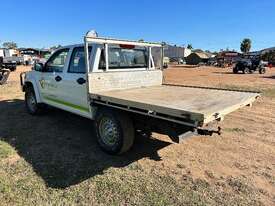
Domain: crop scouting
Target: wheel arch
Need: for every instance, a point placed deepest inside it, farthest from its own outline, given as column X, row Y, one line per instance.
column 28, row 84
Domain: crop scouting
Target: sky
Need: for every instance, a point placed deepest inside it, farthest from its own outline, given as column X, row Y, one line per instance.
column 206, row 24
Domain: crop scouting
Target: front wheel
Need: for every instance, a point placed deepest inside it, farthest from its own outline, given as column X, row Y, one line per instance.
column 31, row 104
column 246, row 70
column 235, row 70
column 114, row 131
column 262, row 70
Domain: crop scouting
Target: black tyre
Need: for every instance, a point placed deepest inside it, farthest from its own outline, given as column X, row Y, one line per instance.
column 246, row 71
column 31, row 104
column 13, row 68
column 262, row 70
column 114, row 131
column 235, row 70
column 4, row 75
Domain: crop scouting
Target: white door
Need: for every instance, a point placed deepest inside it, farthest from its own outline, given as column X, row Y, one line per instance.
column 50, row 83
column 74, row 83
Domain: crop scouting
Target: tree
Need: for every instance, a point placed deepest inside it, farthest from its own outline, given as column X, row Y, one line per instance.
column 246, row 45
column 10, row 45
column 189, row 46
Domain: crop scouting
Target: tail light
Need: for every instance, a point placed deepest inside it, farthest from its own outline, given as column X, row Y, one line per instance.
column 126, row 46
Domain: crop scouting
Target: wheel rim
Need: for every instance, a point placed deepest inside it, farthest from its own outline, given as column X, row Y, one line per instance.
column 31, row 101
column 108, row 131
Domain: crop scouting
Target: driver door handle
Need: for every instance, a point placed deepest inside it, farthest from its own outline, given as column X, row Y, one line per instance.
column 58, row 78
column 81, row 81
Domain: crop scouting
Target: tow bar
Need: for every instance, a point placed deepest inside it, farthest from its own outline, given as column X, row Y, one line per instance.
column 198, row 131
column 207, row 132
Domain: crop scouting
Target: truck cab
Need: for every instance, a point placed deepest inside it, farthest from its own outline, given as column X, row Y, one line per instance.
column 61, row 81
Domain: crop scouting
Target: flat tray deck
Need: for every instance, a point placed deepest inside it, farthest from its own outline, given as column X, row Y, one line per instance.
column 198, row 104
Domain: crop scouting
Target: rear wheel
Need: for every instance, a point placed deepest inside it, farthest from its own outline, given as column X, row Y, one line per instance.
column 114, row 130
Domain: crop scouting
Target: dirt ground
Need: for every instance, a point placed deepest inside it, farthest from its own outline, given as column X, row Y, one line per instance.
column 54, row 159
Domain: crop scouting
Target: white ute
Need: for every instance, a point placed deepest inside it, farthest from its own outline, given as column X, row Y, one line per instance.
column 117, row 84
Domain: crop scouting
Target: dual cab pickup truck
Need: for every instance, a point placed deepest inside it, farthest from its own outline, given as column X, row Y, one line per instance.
column 117, row 84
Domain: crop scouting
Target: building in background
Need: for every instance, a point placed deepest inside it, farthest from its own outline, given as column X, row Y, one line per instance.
column 227, row 58
column 268, row 55
column 4, row 52
column 31, row 55
column 196, row 58
column 176, row 53
column 271, row 49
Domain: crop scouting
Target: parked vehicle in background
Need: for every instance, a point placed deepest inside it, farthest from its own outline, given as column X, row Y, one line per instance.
column 227, row 58
column 5, row 64
column 11, row 58
column 14, row 60
column 117, row 84
column 250, row 66
column 212, row 62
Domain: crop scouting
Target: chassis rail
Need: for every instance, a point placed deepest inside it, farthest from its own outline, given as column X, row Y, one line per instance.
column 182, row 121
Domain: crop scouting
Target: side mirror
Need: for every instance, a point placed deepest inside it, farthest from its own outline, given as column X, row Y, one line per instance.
column 38, row 67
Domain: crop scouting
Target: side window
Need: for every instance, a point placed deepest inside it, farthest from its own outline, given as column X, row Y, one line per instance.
column 77, row 62
column 102, row 64
column 57, row 62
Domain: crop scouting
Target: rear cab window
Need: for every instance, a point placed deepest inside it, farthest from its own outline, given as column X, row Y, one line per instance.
column 125, row 58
